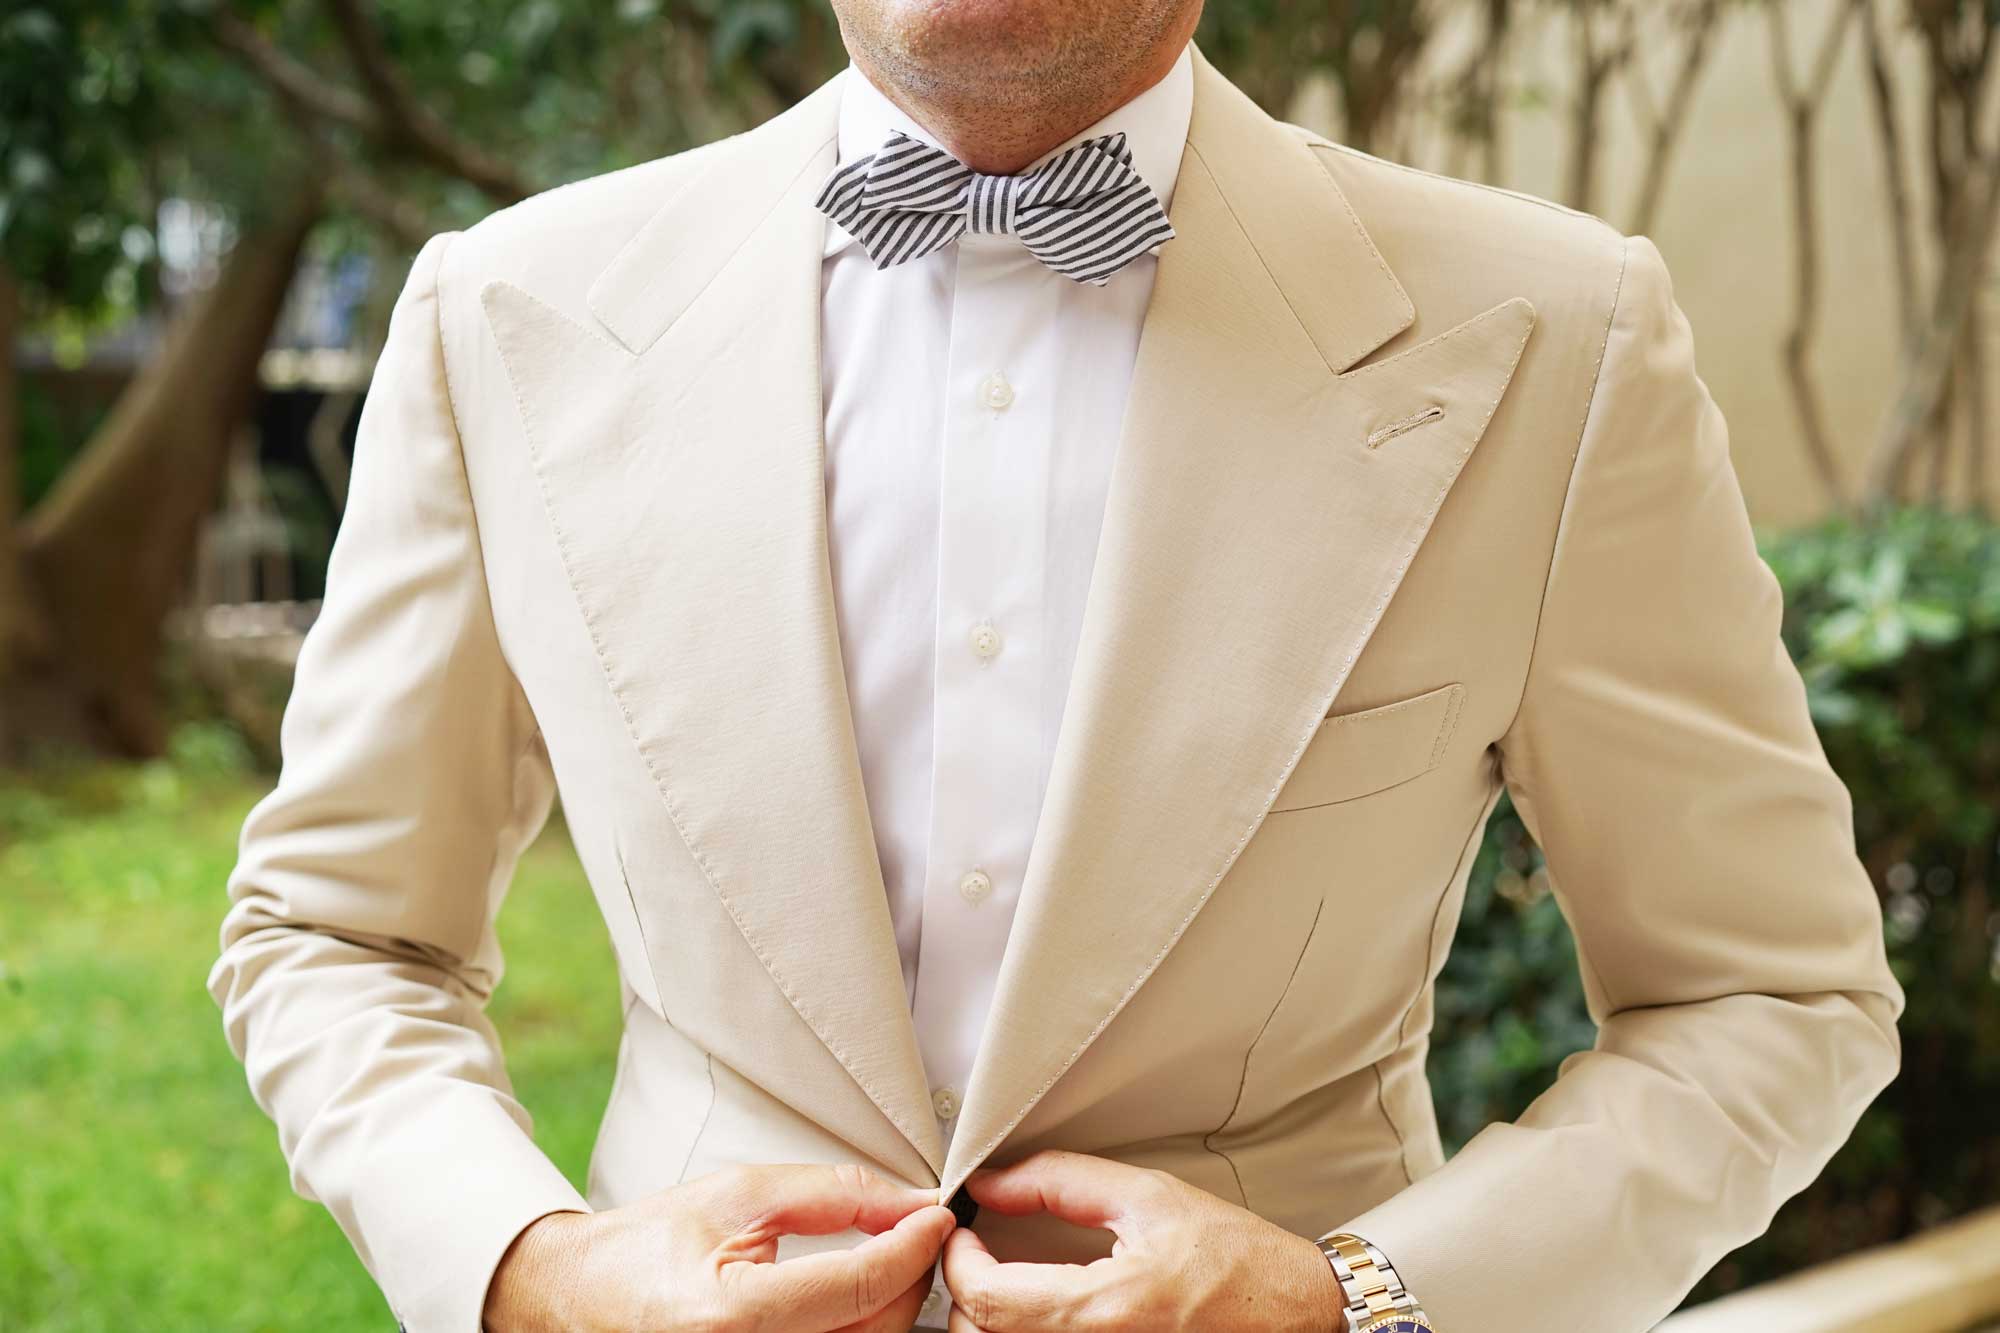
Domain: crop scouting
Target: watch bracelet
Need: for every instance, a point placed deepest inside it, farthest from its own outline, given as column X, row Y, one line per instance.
column 1369, row 1284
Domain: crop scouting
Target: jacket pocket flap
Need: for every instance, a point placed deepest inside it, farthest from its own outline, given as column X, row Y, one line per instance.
column 1355, row 754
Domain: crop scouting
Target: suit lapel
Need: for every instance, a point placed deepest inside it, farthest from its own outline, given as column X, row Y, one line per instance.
column 681, row 464
column 1267, row 496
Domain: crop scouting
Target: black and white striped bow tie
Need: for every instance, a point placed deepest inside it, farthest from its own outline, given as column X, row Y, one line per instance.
column 1086, row 212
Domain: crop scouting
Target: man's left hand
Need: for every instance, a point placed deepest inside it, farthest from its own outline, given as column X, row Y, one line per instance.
column 1182, row 1259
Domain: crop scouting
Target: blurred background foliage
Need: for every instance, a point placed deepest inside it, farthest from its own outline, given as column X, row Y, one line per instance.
column 137, row 1175
column 205, row 211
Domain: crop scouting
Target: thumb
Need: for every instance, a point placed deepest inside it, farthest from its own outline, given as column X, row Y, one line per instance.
column 1087, row 1191
column 834, row 1288
column 765, row 1202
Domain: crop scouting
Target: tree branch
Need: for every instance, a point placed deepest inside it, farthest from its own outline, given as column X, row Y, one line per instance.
column 388, row 115
column 1896, row 195
column 293, row 81
column 352, row 185
column 1664, row 128
column 409, row 124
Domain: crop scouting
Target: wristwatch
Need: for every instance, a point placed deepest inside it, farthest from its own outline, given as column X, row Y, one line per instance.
column 1377, row 1300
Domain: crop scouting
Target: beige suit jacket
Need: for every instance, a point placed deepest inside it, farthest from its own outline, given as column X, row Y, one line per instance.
column 1419, row 498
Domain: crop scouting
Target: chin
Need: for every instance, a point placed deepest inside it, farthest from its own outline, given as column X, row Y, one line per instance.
column 972, row 37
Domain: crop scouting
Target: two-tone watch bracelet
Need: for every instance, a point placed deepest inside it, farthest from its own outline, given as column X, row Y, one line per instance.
column 1368, row 1280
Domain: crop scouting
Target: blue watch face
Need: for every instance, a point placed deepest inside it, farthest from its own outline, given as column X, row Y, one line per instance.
column 1400, row 1324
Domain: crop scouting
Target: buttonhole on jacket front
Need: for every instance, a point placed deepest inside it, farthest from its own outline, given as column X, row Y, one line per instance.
column 1408, row 423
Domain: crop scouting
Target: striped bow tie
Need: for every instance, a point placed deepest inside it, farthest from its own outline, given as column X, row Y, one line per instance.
column 1086, row 213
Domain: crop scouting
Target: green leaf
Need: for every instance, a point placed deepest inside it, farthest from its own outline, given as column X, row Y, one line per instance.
column 1932, row 622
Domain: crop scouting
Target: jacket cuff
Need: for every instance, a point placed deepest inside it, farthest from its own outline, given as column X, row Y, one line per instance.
column 443, row 1201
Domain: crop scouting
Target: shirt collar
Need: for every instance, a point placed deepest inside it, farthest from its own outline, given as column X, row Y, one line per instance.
column 1155, row 125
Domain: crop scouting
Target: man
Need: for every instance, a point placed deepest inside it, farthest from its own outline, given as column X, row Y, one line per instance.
column 1029, row 577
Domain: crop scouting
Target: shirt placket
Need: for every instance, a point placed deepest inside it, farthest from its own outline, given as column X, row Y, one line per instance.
column 989, row 651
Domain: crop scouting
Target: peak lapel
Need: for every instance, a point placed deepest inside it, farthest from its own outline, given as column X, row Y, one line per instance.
column 1267, row 497
column 681, row 464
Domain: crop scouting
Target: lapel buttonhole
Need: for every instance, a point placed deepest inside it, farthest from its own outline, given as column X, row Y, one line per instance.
column 1409, row 423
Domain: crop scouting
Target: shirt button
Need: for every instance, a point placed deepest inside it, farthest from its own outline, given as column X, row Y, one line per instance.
column 945, row 1102
column 995, row 392
column 985, row 639
column 974, row 887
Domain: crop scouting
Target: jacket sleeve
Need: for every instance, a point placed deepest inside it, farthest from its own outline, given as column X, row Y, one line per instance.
column 1702, row 850
column 358, row 952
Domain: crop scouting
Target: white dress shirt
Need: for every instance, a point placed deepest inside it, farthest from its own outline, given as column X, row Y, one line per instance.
column 973, row 403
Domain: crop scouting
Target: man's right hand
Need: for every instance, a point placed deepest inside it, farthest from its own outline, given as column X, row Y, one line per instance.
column 703, row 1256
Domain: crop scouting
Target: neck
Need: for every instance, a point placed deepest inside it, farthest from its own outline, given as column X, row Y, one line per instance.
column 1000, row 141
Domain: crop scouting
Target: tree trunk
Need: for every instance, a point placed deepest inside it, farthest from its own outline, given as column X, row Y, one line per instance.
column 1979, row 430
column 1580, row 176
column 108, row 550
column 1802, row 103
column 1796, row 353
column 1895, row 194
column 24, row 634
column 1927, row 371
column 1664, row 132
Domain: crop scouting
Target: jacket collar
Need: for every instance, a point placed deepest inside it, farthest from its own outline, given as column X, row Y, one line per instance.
column 1291, row 211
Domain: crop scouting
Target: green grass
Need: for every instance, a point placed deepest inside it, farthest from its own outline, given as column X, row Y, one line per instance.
column 140, row 1187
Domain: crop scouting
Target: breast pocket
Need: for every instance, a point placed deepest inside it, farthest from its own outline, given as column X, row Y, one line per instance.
column 1358, row 753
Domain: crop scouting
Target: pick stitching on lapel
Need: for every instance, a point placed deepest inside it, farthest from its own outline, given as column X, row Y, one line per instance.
column 682, row 469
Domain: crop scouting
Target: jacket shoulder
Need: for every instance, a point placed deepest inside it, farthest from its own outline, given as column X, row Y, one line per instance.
column 1461, row 246
column 1353, row 161
column 553, row 243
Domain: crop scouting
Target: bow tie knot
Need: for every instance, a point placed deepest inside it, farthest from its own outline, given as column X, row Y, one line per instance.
column 1086, row 213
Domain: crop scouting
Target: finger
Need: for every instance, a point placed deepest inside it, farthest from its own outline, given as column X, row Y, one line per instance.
column 802, row 1200
column 835, row 1288
column 1089, row 1191
column 967, row 1261
column 898, row 1315
column 1004, row 1298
